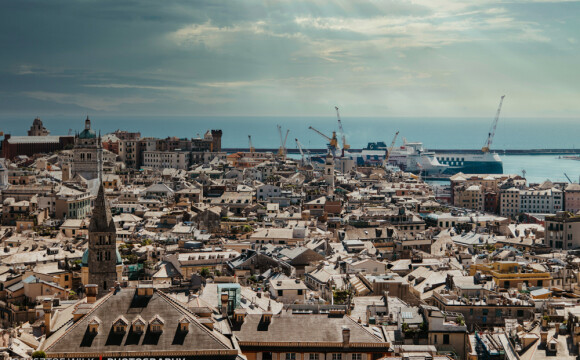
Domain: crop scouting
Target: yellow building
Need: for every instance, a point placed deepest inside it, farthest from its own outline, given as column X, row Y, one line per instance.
column 508, row 274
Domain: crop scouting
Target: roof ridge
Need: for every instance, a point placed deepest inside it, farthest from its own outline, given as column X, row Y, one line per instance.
column 175, row 304
column 102, row 300
column 363, row 328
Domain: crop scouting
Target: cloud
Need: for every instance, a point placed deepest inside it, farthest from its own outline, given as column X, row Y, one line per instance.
column 88, row 101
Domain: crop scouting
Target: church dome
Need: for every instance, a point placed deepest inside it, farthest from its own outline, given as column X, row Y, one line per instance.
column 85, row 260
column 87, row 134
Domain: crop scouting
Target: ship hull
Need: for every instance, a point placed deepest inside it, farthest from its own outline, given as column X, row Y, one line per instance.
column 487, row 163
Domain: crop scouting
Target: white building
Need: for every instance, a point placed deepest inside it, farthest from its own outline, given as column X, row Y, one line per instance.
column 288, row 291
column 267, row 191
column 541, row 201
column 167, row 159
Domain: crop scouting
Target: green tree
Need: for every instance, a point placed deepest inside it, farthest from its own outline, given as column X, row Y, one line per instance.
column 38, row 354
column 204, row 272
column 341, row 296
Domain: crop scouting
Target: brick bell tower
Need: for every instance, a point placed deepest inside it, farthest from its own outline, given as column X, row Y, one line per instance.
column 103, row 255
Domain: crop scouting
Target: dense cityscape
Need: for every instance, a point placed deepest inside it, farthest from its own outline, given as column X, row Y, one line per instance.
column 120, row 246
column 289, row 180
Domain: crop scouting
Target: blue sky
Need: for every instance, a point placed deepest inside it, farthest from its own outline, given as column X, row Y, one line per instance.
column 290, row 58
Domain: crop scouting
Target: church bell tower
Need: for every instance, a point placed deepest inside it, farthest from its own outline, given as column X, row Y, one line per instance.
column 102, row 252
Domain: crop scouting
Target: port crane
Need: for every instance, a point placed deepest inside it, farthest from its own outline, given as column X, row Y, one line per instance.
column 390, row 150
column 299, row 145
column 345, row 146
column 252, row 149
column 333, row 142
column 491, row 133
column 282, row 150
column 567, row 177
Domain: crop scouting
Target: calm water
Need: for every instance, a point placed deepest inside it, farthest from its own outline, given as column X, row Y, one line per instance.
column 435, row 133
column 541, row 167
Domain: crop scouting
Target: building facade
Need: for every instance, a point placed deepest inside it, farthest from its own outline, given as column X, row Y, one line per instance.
column 87, row 153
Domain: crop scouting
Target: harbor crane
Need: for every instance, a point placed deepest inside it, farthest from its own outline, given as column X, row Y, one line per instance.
column 299, row 145
column 567, row 177
column 332, row 142
column 491, row 133
column 345, row 146
column 282, row 150
column 390, row 150
column 252, row 149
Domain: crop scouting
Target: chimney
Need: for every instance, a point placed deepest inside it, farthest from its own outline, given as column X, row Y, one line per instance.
column 91, row 290
column 224, row 299
column 47, row 308
column 345, row 336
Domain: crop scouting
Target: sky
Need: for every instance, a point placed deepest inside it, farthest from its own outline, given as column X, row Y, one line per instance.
column 290, row 58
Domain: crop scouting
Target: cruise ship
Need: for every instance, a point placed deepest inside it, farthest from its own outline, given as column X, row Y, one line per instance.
column 411, row 157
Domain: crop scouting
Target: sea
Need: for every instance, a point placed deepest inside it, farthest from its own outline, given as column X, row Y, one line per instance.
column 434, row 132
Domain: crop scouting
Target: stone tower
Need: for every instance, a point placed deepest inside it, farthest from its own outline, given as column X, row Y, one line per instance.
column 38, row 129
column 329, row 171
column 102, row 253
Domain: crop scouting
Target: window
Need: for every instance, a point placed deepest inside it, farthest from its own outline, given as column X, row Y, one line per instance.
column 280, row 292
column 313, row 357
column 299, row 291
column 336, row 356
column 435, row 339
column 520, row 313
column 446, row 339
column 156, row 328
column 356, row 356
column 290, row 356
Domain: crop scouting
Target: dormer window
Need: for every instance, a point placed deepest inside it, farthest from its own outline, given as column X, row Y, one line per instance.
column 94, row 325
column 120, row 325
column 184, row 324
column 138, row 325
column 156, row 324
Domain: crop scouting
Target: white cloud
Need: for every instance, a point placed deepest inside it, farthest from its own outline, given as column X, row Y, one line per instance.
column 90, row 101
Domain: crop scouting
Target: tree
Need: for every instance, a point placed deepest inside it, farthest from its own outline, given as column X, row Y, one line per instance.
column 341, row 296
column 460, row 320
column 204, row 272
column 38, row 354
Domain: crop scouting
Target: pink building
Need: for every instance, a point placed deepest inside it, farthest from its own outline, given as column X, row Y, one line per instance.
column 572, row 198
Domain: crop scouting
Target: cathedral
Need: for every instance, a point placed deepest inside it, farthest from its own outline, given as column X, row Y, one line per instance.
column 87, row 153
column 101, row 263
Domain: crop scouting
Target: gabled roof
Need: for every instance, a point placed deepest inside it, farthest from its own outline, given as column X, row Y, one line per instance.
column 120, row 320
column 138, row 321
column 125, row 304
